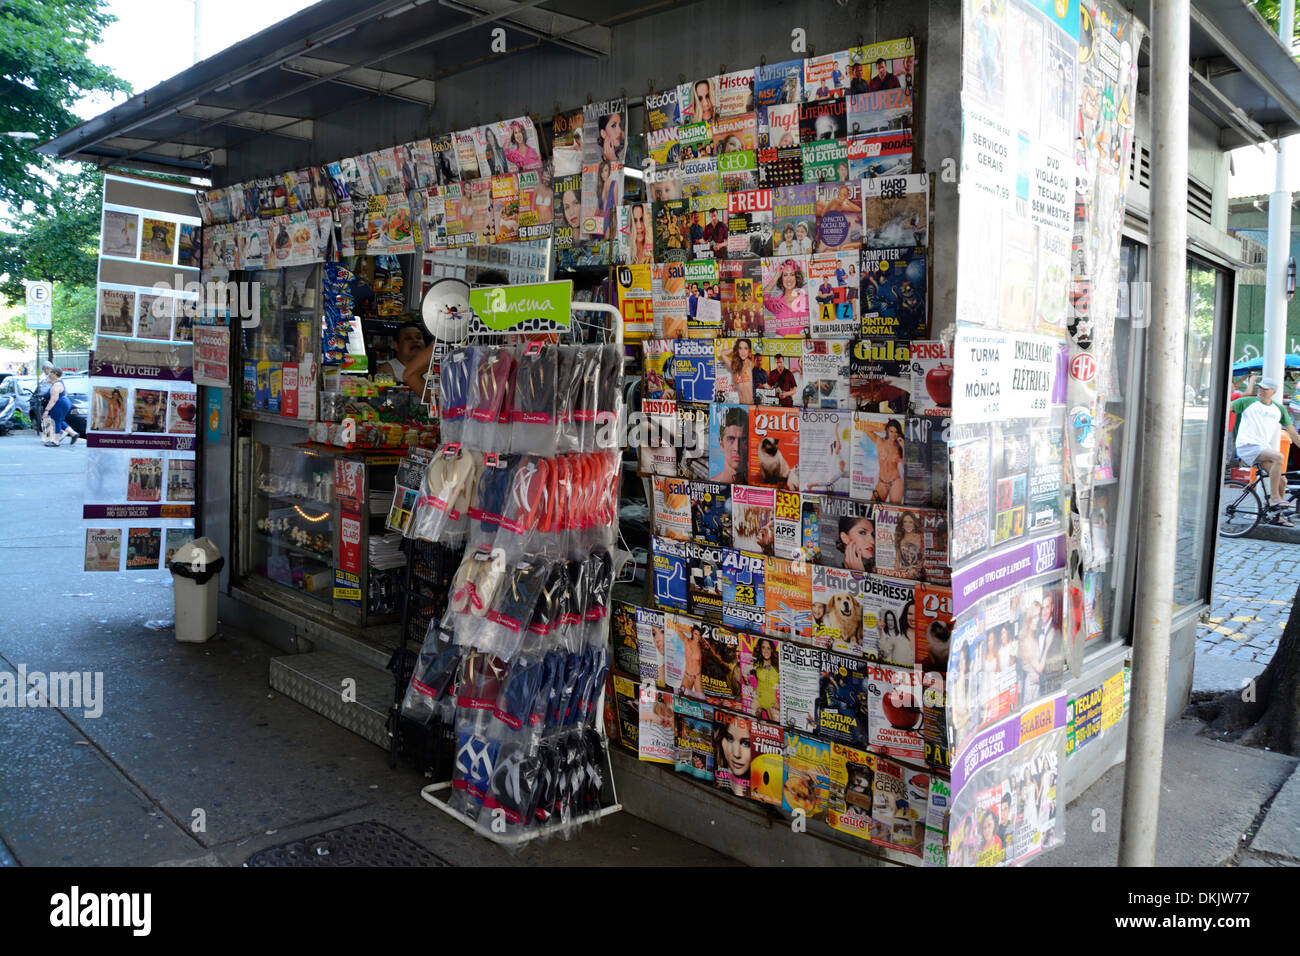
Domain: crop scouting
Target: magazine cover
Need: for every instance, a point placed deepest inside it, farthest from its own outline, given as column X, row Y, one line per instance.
column 782, row 360
column 794, row 220
column 116, row 312
column 180, row 479
column 108, row 408
column 736, row 134
column 767, row 771
column 672, row 229
column 668, row 296
column 656, row 739
column 937, row 822
column 695, row 141
column 970, row 496
column 661, row 110
column 738, row 371
column 663, row 182
column 887, row 65
column 735, row 93
column 144, row 479
column 720, row 667
column 774, row 447
column 780, row 167
column 896, row 212
column 833, row 278
column 889, row 621
column 121, row 233
column 826, row 438
column 657, row 376
column 158, row 241
column 778, row 129
column 823, row 120
column 103, row 549
column 743, row 599
column 894, row 711
column 931, row 376
column 536, row 212
column 668, row 559
column 911, row 543
column 899, row 809
column 825, row 161
column 852, row 779
column 749, row 224
column 684, row 654
column 742, row 298
column 880, row 154
column 729, row 434
column 622, row 630
column 704, row 291
column 787, row 528
column 672, row 514
column 841, row 699
column 893, row 294
column 738, row 171
column 760, row 675
column 787, row 592
column 182, row 412
column 801, row 671
column 154, row 316
column 566, row 143
column 706, row 228
column 693, row 435
column 662, row 146
column 753, row 518
column 826, row 76
column 880, row 373
column 837, row 609
column 778, row 83
column 842, row 532
column 785, row 296
column 658, row 445
column 651, row 646
column 150, row 413
column 636, row 300
column 711, row 512
column 807, row 784
column 839, row 217
column 732, row 752
column 627, row 703
column 693, row 751
column 704, row 581
column 826, row 374
column 1011, row 462
column 143, row 546
column 1046, row 480
column 175, row 539
column 925, row 467
column 883, row 111
column 877, row 458
column 693, row 370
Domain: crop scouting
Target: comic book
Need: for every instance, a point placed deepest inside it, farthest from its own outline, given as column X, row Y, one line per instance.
column 711, row 513
column 839, row 532
column 767, row 770
column 735, row 93
column 627, row 702
column 787, row 591
column 931, row 379
column 938, row 812
column 785, row 296
column 900, row 804
column 743, row 600
column 703, row 302
column 893, row 294
column 672, row 514
column 672, row 229
column 825, row 440
column 668, row 559
column 622, row 634
column 738, row 171
column 894, row 711
column 794, row 220
column 826, row 374
column 841, row 699
column 651, row 646
column 661, row 110
column 664, row 182
column 925, row 461
column 693, row 438
column 807, row 782
column 826, row 76
column 852, row 773
column 693, row 370
column 778, row 83
column 734, row 752
column 780, row 166
column 801, row 671
column 658, row 447
column 880, row 376
column 837, row 609
column 657, row 376
column 720, row 667
column 656, row 740
column 699, row 177
column 749, row 224
column 821, row 120
column 833, row 279
column 742, row 300
column 879, row 448
column 668, row 297
column 896, row 212
column 693, row 750
column 753, row 518
column 695, row 140
column 729, row 434
column 889, row 620
column 782, row 361
column 839, row 217
column 880, row 154
column 760, row 675
column 787, row 529
column 774, row 448
column 884, row 111
column 825, row 161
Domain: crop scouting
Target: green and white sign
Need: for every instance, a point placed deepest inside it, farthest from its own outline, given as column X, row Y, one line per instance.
column 535, row 306
column 40, row 305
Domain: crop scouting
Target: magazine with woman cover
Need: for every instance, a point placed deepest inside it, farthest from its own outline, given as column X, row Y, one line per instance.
column 116, row 312
column 911, row 543
column 656, row 737
column 825, row 441
column 753, row 518
column 668, row 562
column 838, row 612
column 743, row 598
column 785, row 296
column 896, row 212
column 767, row 768
column 103, row 549
column 807, row 784
column 839, row 532
column 782, row 360
column 899, row 807
column 894, row 711
column 833, row 278
column 150, row 413
column 826, row 374
column 143, row 546
column 720, row 667
column 774, row 446
column 760, row 676
column 732, row 752
column 684, row 654
column 672, row 512
column 852, row 778
column 693, row 438
column 651, row 647
column 889, row 621
column 879, row 445
column 693, row 747
column 121, row 234
column 108, row 407
column 925, row 473
column 536, row 210
column 794, row 220
column 704, row 580
column 787, row 594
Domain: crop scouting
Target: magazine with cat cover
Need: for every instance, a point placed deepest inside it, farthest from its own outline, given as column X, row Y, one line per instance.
column 743, row 599
column 825, row 443
column 837, row 609
column 774, row 448
column 826, row 374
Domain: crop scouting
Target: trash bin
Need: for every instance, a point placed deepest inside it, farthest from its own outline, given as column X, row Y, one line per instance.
column 194, row 568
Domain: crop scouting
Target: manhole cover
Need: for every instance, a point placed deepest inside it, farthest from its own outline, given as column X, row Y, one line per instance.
column 357, row 844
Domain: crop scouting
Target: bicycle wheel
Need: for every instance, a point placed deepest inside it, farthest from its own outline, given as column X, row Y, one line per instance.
column 1240, row 509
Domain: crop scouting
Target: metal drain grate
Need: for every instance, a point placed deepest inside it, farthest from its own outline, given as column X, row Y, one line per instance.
column 357, row 844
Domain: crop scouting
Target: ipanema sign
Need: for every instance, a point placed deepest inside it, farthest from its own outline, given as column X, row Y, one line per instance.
column 538, row 306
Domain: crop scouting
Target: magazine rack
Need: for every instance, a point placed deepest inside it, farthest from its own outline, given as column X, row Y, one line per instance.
column 437, row 792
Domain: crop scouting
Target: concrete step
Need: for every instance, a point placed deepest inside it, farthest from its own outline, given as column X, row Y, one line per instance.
column 317, row 681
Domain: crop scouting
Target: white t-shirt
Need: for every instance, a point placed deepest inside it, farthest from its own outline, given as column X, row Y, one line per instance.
column 399, row 370
column 1260, row 425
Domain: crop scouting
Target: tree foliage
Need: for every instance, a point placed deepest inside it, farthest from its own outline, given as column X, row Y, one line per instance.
column 45, row 69
column 58, row 241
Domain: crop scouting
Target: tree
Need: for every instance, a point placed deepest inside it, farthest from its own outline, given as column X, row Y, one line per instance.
column 58, row 240
column 44, row 70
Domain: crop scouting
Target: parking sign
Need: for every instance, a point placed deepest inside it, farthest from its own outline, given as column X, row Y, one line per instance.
column 40, row 305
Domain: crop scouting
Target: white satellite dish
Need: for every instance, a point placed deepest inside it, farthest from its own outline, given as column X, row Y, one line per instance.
column 445, row 310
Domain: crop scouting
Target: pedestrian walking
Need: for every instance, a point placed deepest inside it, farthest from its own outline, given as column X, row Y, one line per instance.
column 58, row 406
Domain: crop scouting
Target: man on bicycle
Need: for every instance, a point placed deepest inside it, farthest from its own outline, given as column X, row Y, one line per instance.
column 1257, row 434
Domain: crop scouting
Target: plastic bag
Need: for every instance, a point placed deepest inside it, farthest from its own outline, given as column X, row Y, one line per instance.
column 533, row 412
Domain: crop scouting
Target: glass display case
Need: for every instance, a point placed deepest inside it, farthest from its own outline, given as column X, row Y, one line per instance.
column 279, row 351
column 292, row 527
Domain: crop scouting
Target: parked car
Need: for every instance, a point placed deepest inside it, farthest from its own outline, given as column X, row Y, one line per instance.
column 78, row 387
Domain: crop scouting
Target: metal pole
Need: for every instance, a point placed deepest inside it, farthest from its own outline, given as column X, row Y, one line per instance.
column 1161, row 431
column 1279, row 238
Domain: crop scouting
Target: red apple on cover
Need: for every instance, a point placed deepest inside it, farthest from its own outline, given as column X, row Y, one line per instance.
column 938, row 382
column 901, row 708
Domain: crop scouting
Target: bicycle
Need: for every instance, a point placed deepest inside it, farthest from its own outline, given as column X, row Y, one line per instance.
column 1242, row 504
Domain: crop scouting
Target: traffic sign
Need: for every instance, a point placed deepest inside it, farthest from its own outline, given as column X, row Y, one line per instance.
column 40, row 305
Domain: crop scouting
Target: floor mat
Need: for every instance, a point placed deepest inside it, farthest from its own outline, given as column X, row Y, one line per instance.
column 357, row 844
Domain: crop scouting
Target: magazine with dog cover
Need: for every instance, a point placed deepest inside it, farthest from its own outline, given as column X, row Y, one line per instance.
column 693, row 747
column 825, row 442
column 826, row 374
column 801, row 670
column 851, row 780
column 672, row 501
column 880, row 376
column 693, row 439
column 894, row 711
column 774, row 448
column 893, row 288
column 720, row 667
column 668, row 559
column 878, row 456
column 900, row 806
column 841, row 699
column 711, row 512
column 693, row 366
column 753, row 518
column 787, row 591
column 656, row 737
column 743, row 599
column 652, row 647
column 807, row 784
column 889, row 621
column 925, row 461
column 782, row 362
column 732, row 752
column 760, row 677
column 767, row 770
column 704, row 580
column 839, row 532
column 838, row 610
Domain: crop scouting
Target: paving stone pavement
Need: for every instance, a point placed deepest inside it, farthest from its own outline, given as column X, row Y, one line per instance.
column 1254, row 582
